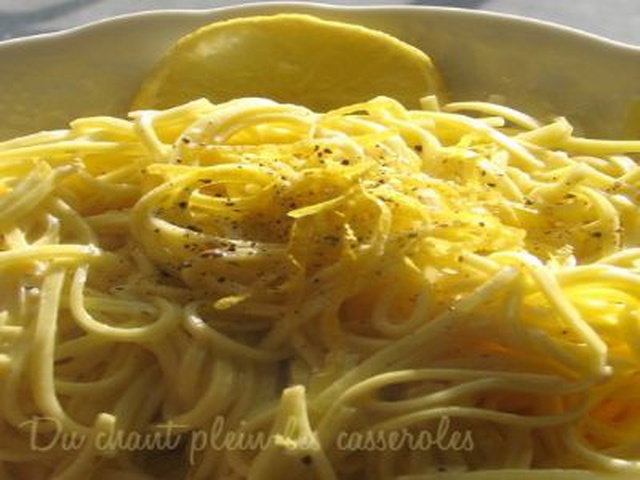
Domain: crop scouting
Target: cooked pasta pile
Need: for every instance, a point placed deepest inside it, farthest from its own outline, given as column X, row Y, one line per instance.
column 451, row 292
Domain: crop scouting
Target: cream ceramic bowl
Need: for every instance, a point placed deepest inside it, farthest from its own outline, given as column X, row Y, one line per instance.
column 47, row 80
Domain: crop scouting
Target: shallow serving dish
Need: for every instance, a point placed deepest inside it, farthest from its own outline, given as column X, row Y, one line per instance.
column 546, row 69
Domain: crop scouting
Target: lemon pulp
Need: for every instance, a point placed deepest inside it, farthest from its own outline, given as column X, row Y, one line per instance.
column 289, row 58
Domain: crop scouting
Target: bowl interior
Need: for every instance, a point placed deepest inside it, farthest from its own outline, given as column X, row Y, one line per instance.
column 545, row 69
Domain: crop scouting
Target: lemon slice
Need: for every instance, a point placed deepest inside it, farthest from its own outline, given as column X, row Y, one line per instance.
column 289, row 58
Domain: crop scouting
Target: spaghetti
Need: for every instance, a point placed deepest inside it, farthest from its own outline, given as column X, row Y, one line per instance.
column 373, row 292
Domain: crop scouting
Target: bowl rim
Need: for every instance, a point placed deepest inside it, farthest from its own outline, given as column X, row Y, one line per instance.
column 273, row 6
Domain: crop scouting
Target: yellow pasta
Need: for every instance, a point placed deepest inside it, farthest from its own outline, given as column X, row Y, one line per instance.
column 255, row 290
